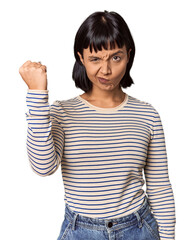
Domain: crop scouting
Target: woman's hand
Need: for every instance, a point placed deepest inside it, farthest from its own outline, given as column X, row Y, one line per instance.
column 34, row 74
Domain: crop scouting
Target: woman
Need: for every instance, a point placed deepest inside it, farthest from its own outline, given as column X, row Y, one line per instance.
column 103, row 140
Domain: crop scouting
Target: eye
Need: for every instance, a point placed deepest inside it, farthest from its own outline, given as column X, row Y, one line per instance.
column 118, row 58
column 94, row 59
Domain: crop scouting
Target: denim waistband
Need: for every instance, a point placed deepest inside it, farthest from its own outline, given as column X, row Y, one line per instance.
column 114, row 223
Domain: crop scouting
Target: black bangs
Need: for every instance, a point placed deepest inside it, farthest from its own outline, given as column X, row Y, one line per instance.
column 101, row 35
column 97, row 43
column 99, row 30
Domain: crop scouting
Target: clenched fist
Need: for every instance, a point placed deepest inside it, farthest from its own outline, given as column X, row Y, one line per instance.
column 34, row 74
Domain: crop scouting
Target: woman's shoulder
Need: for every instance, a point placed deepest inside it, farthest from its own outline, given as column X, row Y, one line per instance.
column 144, row 108
column 139, row 101
column 68, row 101
column 66, row 104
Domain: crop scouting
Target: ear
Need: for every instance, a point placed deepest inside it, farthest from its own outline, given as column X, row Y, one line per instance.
column 128, row 54
column 81, row 59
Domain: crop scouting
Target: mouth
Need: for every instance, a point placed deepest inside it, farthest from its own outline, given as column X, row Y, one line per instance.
column 103, row 80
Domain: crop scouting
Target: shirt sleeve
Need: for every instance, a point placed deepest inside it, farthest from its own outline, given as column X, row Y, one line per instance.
column 45, row 135
column 158, row 185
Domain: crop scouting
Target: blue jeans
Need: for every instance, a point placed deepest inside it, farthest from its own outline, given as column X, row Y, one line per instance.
column 140, row 225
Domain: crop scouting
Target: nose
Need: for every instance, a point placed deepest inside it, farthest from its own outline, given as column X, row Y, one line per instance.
column 105, row 68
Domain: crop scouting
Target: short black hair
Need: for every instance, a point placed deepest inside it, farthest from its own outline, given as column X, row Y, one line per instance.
column 95, row 32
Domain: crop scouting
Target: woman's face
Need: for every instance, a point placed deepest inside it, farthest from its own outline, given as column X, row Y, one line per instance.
column 107, row 64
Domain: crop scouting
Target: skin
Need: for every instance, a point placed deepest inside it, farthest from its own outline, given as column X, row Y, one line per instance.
column 105, row 65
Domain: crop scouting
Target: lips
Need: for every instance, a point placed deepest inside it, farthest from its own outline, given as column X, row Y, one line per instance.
column 103, row 80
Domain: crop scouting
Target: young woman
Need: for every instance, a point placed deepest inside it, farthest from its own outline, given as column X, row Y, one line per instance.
column 103, row 140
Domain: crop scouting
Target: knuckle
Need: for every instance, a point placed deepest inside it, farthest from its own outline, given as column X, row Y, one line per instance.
column 39, row 69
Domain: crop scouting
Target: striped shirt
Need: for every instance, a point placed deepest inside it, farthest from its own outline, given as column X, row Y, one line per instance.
column 103, row 153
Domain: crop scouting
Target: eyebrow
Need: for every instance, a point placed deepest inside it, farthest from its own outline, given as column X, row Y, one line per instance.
column 120, row 51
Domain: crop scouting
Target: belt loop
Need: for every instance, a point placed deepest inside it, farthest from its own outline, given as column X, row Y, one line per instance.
column 138, row 219
column 74, row 221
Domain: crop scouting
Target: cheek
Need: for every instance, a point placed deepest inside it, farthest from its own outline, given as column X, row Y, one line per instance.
column 91, row 69
column 119, row 70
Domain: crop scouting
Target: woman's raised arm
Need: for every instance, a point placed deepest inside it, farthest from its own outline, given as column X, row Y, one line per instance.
column 45, row 135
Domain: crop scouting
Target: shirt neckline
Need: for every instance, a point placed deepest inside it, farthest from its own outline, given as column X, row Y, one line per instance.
column 104, row 109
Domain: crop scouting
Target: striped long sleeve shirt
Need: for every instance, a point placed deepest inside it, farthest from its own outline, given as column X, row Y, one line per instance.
column 103, row 154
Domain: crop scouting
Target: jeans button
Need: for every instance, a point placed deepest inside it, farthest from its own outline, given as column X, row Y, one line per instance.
column 110, row 224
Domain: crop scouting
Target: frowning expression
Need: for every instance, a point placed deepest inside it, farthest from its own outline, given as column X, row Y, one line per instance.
column 107, row 64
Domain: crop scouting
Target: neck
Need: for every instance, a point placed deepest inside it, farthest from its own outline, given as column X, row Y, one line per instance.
column 100, row 95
